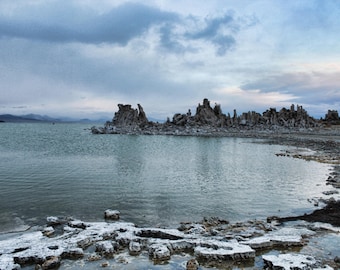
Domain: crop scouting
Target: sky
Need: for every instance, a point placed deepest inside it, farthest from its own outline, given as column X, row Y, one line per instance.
column 80, row 58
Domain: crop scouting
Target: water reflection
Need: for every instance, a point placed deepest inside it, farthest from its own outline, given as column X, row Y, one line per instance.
column 150, row 179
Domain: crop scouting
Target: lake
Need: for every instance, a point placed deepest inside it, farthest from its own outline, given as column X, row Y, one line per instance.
column 64, row 170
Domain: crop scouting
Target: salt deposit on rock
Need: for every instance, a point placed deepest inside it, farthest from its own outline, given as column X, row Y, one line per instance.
column 214, row 243
column 135, row 248
column 283, row 237
column 53, row 220
column 223, row 251
column 292, row 261
column 106, row 248
column 159, row 252
column 48, row 231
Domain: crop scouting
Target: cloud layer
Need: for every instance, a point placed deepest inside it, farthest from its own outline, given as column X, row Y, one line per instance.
column 82, row 58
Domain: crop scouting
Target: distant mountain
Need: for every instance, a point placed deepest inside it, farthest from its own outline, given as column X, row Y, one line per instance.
column 16, row 119
column 36, row 118
column 39, row 117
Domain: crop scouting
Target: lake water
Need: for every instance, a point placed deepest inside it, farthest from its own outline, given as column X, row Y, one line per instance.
column 64, row 170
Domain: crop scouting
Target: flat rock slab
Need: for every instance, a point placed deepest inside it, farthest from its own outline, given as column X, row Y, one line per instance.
column 292, row 261
column 95, row 240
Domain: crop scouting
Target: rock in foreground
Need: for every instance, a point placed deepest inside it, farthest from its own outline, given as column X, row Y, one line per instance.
column 213, row 243
column 292, row 261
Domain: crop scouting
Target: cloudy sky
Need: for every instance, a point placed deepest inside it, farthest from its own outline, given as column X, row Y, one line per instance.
column 80, row 58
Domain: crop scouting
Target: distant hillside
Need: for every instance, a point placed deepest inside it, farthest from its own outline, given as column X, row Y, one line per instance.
column 39, row 117
column 16, row 119
column 36, row 118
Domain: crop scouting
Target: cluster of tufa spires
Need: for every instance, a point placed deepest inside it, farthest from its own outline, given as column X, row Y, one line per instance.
column 211, row 119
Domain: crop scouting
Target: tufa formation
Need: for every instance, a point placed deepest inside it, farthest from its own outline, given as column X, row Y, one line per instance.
column 210, row 121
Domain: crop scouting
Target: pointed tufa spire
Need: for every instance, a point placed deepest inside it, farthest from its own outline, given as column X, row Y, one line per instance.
column 127, row 116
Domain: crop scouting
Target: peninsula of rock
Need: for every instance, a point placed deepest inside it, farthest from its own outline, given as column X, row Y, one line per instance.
column 211, row 121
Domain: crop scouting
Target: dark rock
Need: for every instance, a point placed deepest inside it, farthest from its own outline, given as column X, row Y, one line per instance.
column 192, row 264
column 329, row 214
column 73, row 253
column 332, row 117
column 155, row 233
column 19, row 249
column 26, row 260
column 51, row 263
column 112, row 214
column 105, row 264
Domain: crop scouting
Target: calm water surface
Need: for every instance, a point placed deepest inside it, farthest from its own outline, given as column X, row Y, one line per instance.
column 64, row 170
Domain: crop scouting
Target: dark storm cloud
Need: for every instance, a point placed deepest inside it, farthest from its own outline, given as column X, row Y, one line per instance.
column 219, row 31
column 67, row 23
column 169, row 41
column 212, row 27
column 119, row 25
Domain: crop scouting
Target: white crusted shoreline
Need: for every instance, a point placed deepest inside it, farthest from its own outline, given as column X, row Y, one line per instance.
column 212, row 243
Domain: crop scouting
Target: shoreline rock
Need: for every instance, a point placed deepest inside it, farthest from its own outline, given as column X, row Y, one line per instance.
column 112, row 214
column 215, row 244
column 329, row 214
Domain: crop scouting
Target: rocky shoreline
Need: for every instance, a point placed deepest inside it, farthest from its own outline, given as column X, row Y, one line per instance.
column 209, row 243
